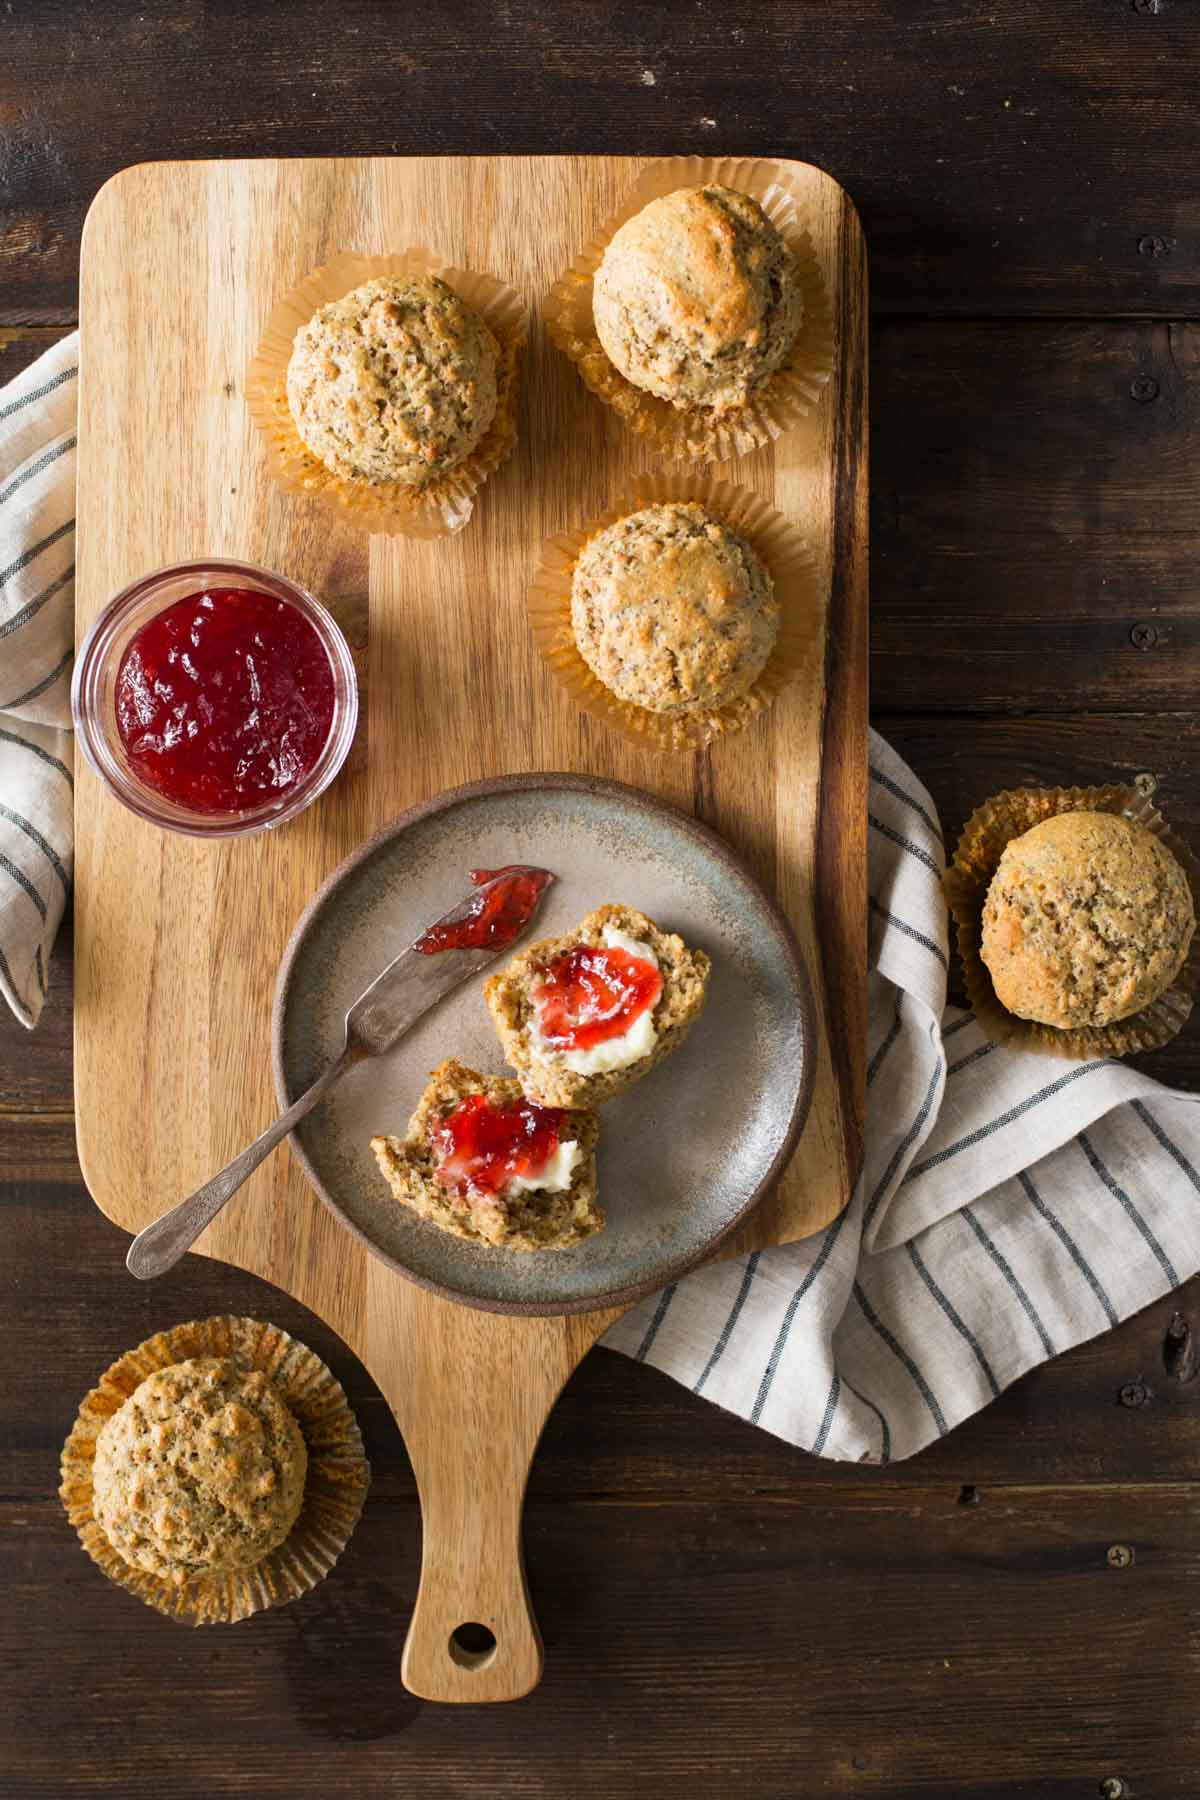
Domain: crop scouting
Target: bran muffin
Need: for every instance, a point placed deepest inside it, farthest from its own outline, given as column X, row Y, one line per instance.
column 546, row 1073
column 524, row 1215
column 202, row 1470
column 394, row 382
column 673, row 610
column 1087, row 920
column 698, row 299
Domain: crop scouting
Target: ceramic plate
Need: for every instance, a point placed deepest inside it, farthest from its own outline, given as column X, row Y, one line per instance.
column 683, row 1155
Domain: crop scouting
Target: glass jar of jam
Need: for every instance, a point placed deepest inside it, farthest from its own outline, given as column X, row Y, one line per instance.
column 215, row 698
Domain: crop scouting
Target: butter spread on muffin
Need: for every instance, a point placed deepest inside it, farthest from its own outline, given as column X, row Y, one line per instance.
column 582, row 1017
column 672, row 610
column 698, row 299
column 202, row 1469
column 395, row 382
column 1088, row 919
column 481, row 1161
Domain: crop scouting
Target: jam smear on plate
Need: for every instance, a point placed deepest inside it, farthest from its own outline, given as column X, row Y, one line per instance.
column 224, row 700
column 589, row 995
column 481, row 1146
column 498, row 913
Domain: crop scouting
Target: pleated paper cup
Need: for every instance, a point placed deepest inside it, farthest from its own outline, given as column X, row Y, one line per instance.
column 334, row 1490
column 701, row 435
column 993, row 826
column 783, row 551
column 437, row 508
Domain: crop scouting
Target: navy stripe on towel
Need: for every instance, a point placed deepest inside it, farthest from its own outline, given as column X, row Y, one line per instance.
column 902, row 1356
column 660, row 1313
column 832, row 1234
column 22, row 880
column 13, row 988
column 902, row 1147
column 1172, row 1149
column 718, row 1349
column 827, row 1421
column 898, row 793
column 1006, row 1269
column 910, row 931
column 885, row 1430
column 35, row 837
column 898, row 838
column 34, row 606
column 27, row 556
column 959, row 1323
column 1118, row 1193
column 12, row 737
column 40, row 687
column 1069, row 1245
column 35, row 468
column 48, row 387
column 993, row 1125
column 893, row 1033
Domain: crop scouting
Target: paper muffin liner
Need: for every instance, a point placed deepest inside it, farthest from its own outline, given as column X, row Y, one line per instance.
column 990, row 828
column 702, row 436
column 334, row 1490
column 777, row 541
column 438, row 508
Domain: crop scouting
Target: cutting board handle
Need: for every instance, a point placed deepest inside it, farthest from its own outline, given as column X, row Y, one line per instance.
column 473, row 1636
column 470, row 1392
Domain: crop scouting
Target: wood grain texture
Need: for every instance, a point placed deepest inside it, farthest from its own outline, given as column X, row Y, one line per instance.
column 453, row 691
column 1014, row 158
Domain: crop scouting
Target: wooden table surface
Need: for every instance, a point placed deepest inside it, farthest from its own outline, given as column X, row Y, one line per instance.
column 1014, row 1612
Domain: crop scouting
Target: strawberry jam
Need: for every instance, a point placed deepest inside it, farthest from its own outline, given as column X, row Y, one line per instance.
column 482, row 1147
column 224, row 700
column 496, row 915
column 589, row 995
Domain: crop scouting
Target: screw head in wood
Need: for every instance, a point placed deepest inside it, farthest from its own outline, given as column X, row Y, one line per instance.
column 1144, row 388
column 1120, row 1556
column 1152, row 246
column 1135, row 1393
column 1143, row 636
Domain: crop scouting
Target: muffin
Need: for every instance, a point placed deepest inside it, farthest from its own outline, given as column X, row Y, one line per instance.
column 394, row 382
column 582, row 1017
column 481, row 1161
column 200, row 1471
column 673, row 610
column 1087, row 920
column 698, row 299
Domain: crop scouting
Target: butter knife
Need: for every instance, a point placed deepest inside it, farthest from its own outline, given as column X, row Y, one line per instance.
column 430, row 968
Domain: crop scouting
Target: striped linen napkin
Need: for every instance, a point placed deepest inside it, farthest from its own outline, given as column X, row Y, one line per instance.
column 37, row 637
column 1011, row 1205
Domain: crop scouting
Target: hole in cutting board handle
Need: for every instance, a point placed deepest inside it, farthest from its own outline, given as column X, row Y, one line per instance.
column 472, row 1646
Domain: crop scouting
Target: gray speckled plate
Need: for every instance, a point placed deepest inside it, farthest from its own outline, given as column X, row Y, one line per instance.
column 683, row 1155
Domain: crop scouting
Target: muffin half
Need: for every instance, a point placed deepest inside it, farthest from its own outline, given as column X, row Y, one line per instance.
column 582, row 1017
column 482, row 1161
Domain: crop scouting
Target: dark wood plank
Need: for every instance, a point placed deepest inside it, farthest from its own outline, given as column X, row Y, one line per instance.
column 1035, row 528
column 856, row 1643
column 1011, row 158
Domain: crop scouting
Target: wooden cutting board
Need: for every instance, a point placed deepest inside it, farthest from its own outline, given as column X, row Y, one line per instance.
column 178, row 942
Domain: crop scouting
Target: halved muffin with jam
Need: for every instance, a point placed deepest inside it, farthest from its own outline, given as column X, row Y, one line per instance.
column 582, row 1017
column 482, row 1161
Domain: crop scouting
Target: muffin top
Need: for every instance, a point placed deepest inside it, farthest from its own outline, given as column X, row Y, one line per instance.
column 673, row 610
column 1088, row 919
column 698, row 298
column 201, row 1469
column 396, row 381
